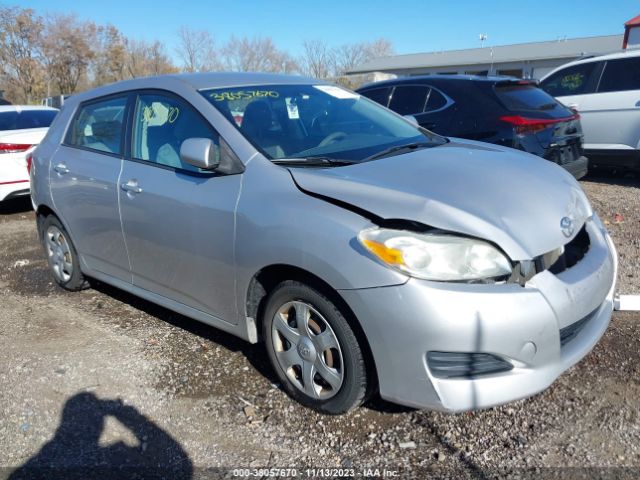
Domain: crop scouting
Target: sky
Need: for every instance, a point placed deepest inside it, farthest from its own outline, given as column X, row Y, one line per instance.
column 411, row 25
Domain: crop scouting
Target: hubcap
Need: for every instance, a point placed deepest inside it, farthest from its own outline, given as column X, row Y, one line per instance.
column 59, row 254
column 307, row 350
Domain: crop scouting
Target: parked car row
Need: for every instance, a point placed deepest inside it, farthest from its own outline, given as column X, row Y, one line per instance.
column 21, row 130
column 366, row 253
column 505, row 111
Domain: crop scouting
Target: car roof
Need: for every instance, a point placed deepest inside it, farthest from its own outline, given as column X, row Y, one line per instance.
column 611, row 56
column 438, row 78
column 19, row 108
column 197, row 81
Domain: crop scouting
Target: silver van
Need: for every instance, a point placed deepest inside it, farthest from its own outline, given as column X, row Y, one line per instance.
column 367, row 253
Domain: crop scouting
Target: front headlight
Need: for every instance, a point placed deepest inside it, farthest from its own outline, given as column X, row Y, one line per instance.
column 436, row 256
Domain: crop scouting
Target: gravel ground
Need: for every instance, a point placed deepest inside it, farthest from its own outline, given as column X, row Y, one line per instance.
column 102, row 379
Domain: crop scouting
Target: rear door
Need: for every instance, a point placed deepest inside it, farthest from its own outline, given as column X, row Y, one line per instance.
column 178, row 221
column 84, row 184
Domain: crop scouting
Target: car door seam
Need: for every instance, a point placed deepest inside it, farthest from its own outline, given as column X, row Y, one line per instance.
column 235, row 230
column 124, row 237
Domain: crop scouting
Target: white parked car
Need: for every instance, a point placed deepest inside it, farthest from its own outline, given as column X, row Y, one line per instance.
column 606, row 92
column 22, row 128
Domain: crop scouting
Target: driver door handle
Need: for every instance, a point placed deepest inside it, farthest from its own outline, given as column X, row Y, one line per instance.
column 131, row 187
column 61, row 168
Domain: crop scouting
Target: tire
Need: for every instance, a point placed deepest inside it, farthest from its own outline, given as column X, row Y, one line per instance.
column 61, row 255
column 326, row 352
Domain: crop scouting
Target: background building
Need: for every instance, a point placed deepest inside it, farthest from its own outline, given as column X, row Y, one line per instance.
column 526, row 60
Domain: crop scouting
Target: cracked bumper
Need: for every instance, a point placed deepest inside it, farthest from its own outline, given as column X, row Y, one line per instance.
column 519, row 324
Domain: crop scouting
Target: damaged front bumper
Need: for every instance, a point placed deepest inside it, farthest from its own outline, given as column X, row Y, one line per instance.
column 538, row 330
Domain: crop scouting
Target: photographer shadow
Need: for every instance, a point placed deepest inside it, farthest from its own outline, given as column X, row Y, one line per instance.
column 75, row 452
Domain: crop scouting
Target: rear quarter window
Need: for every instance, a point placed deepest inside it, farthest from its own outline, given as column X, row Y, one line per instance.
column 620, row 75
column 18, row 120
column 98, row 126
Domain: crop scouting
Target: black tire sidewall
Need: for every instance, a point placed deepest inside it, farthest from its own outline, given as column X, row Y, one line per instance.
column 77, row 280
column 354, row 386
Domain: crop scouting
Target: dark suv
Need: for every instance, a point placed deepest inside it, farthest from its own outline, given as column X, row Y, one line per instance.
column 502, row 110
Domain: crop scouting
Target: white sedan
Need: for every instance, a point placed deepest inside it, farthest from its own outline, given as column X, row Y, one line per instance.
column 22, row 128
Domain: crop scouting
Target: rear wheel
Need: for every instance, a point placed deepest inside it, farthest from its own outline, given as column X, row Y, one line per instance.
column 313, row 349
column 61, row 255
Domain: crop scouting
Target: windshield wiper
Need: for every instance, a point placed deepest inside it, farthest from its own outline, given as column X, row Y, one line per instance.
column 409, row 147
column 312, row 161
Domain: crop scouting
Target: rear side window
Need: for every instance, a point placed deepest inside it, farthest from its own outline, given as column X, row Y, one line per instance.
column 98, row 126
column 379, row 95
column 409, row 99
column 620, row 75
column 575, row 80
column 526, row 98
column 161, row 123
column 18, row 120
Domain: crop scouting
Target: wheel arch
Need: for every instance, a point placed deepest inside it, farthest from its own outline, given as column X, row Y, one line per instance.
column 267, row 278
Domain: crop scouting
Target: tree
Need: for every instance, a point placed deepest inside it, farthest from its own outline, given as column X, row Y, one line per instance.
column 110, row 56
column 257, row 54
column 317, row 60
column 20, row 35
column 144, row 59
column 66, row 49
column 197, row 51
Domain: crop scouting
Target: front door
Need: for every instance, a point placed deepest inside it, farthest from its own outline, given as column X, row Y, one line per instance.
column 178, row 221
column 84, row 185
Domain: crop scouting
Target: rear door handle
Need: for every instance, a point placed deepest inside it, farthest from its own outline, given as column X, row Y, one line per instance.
column 61, row 168
column 131, row 187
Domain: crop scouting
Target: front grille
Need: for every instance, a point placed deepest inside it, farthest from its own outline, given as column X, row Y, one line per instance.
column 574, row 251
column 570, row 332
column 465, row 365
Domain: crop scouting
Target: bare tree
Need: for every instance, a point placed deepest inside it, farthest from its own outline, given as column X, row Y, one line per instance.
column 257, row 54
column 144, row 59
column 317, row 60
column 20, row 35
column 110, row 56
column 349, row 56
column 67, row 50
column 197, row 50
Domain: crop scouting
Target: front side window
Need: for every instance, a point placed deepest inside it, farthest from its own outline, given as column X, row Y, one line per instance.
column 378, row 95
column 161, row 123
column 576, row 80
column 311, row 121
column 98, row 126
column 621, row 75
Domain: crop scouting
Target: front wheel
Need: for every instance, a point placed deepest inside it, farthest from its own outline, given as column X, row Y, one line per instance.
column 313, row 349
column 61, row 255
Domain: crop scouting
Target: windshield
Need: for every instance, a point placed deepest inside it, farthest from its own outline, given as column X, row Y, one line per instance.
column 312, row 121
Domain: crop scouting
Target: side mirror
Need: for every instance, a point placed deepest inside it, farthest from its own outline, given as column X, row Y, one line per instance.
column 201, row 153
column 412, row 119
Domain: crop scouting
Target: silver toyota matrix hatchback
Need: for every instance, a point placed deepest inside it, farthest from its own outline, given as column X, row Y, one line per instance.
column 367, row 253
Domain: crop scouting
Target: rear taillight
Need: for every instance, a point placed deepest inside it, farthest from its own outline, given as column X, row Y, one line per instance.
column 14, row 147
column 29, row 163
column 523, row 125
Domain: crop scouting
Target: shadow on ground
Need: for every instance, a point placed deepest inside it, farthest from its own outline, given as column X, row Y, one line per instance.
column 74, row 451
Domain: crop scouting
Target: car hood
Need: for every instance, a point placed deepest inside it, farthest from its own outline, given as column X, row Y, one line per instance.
column 513, row 199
